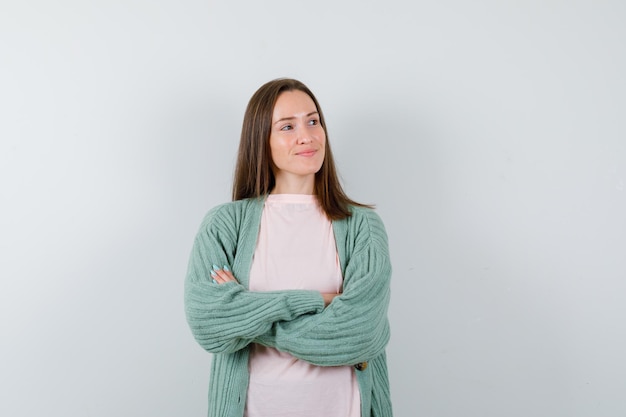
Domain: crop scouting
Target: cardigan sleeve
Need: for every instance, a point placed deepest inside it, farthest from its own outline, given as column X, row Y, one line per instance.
column 225, row 318
column 354, row 328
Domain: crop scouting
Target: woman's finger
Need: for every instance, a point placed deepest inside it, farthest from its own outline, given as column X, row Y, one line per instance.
column 222, row 275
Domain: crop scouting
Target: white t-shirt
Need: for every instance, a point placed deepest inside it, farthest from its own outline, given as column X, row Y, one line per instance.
column 296, row 250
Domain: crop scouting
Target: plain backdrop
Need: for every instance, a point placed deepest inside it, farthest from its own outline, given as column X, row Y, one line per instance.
column 491, row 135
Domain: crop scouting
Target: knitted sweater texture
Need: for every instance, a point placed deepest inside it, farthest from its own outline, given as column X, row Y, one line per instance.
column 226, row 318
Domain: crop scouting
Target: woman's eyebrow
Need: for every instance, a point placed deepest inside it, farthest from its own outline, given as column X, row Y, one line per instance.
column 284, row 119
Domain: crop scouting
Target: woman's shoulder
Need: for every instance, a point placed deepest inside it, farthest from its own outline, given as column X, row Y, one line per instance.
column 233, row 206
column 231, row 213
column 363, row 225
column 364, row 216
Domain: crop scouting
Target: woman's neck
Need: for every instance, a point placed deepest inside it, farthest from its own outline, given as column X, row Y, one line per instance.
column 294, row 185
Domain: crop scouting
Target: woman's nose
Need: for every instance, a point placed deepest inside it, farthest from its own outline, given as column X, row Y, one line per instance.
column 304, row 137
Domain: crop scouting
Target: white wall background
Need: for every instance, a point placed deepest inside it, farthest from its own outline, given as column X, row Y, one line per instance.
column 491, row 135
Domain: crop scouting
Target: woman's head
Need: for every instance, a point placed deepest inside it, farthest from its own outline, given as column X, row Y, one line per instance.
column 256, row 169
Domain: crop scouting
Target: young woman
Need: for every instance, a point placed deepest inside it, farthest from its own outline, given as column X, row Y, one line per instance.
column 288, row 284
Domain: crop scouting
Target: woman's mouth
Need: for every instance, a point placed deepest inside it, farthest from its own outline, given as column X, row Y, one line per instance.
column 307, row 153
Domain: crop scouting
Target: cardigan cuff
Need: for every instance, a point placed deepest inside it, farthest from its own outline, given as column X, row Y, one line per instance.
column 305, row 301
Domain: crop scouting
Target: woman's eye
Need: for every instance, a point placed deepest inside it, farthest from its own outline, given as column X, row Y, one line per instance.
column 313, row 122
column 286, row 127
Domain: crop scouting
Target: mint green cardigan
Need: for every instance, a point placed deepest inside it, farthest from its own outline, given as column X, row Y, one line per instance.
column 226, row 318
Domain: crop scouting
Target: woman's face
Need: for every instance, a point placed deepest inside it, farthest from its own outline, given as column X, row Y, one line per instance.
column 297, row 142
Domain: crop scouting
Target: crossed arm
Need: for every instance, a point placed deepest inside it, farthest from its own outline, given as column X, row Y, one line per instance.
column 323, row 329
column 224, row 275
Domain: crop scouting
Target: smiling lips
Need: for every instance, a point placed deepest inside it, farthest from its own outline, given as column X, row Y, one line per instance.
column 307, row 152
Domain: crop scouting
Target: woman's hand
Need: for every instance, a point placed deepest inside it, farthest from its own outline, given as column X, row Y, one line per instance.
column 222, row 275
column 328, row 298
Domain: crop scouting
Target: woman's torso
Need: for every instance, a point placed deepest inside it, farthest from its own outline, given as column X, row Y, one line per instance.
column 296, row 250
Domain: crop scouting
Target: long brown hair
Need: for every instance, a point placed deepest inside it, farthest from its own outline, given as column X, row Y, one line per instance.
column 253, row 172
